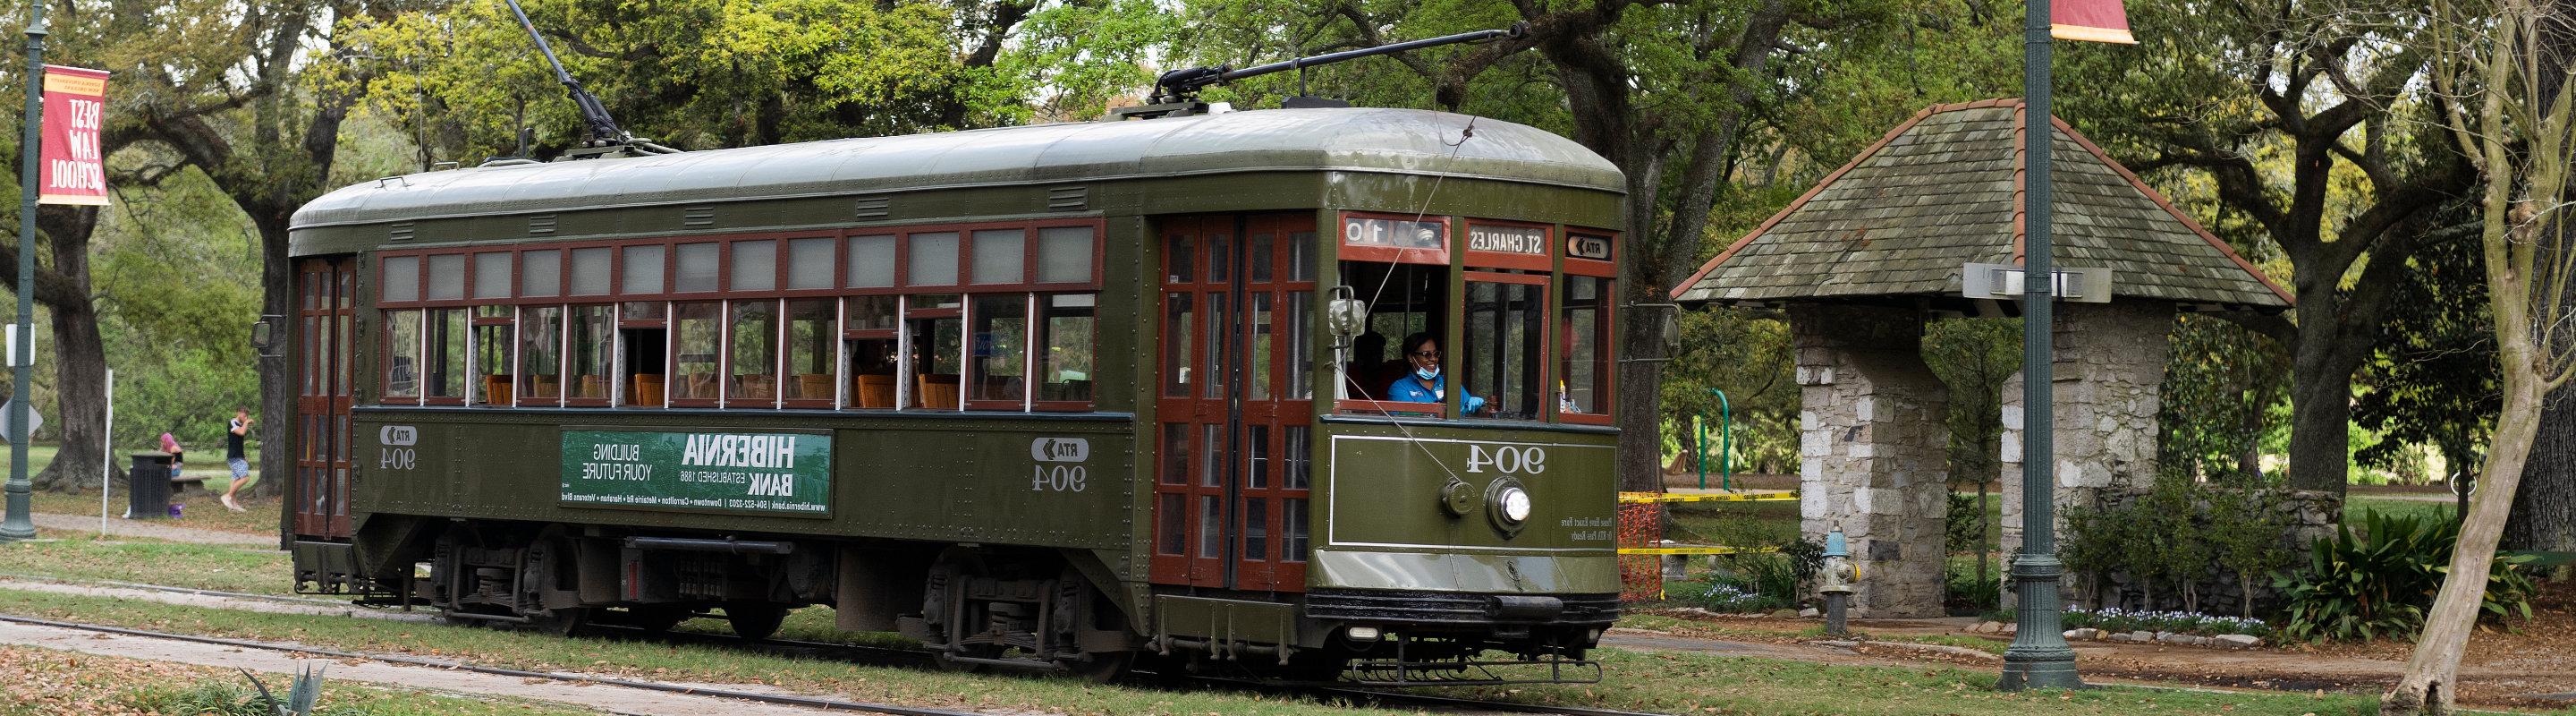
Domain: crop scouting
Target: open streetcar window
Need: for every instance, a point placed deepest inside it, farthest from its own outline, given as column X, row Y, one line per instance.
column 872, row 362
column 541, row 334
column 491, row 343
column 934, row 328
column 807, row 381
column 1500, row 358
column 752, row 355
column 1403, row 300
column 643, row 334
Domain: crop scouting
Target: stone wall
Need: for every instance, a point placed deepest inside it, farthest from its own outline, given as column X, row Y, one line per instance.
column 1872, row 451
column 2109, row 369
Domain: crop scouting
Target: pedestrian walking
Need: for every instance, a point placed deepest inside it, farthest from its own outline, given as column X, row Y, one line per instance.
column 233, row 456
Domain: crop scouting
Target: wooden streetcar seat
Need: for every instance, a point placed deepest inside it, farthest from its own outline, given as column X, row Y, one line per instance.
column 496, row 389
column 874, row 391
column 813, row 386
column 936, row 391
column 646, row 391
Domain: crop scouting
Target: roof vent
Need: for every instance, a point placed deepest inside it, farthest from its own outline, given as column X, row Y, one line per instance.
column 873, row 207
column 400, row 231
column 698, row 216
column 1069, row 198
column 541, row 224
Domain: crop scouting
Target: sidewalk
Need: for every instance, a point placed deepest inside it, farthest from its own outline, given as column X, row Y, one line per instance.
column 156, row 529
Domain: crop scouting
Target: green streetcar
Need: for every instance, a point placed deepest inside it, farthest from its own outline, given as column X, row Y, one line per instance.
column 1058, row 396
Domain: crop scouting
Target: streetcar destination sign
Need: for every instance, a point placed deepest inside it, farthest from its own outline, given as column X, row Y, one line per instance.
column 783, row 473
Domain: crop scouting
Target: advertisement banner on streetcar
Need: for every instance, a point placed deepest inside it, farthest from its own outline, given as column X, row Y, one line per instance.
column 769, row 472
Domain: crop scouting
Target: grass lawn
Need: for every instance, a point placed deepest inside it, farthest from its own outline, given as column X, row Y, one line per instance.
column 228, row 569
column 43, row 682
column 2425, row 509
column 1659, row 682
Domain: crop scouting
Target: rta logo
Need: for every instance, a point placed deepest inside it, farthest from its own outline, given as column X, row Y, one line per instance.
column 397, row 435
column 1060, row 449
column 1507, row 459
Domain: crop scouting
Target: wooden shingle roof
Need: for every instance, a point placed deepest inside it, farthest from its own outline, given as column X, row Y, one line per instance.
column 1944, row 189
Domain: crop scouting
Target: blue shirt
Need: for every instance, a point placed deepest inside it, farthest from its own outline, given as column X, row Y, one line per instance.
column 1409, row 389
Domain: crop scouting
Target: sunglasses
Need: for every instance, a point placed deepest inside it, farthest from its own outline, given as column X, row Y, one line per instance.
column 1426, row 354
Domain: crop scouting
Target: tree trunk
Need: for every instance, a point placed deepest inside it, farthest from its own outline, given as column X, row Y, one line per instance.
column 2320, row 405
column 2544, row 510
column 2431, row 677
column 80, row 356
column 276, row 424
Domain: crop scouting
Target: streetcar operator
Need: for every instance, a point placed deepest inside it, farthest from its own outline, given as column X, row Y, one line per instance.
column 1425, row 384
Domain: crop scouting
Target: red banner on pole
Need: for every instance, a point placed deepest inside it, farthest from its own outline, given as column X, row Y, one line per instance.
column 72, row 171
column 2089, row 21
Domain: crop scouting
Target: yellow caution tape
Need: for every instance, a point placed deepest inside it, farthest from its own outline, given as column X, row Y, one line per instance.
column 1634, row 498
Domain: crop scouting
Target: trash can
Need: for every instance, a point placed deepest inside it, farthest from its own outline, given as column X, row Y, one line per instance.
column 148, row 486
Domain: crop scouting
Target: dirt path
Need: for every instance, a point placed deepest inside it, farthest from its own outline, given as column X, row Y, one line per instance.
column 88, row 524
column 613, row 699
column 314, row 607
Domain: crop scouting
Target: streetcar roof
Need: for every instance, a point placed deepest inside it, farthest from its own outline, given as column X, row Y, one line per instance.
column 1404, row 141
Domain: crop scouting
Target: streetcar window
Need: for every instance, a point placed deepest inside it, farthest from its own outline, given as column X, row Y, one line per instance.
column 642, row 271
column 1403, row 299
column 643, row 329
column 1064, row 254
column 402, row 279
column 809, row 264
column 753, row 357
column 872, row 365
column 590, row 271
column 938, row 346
column 1179, row 330
column 1585, row 387
column 402, row 352
column 540, row 273
column 699, row 329
column 492, row 275
column 1001, row 256
column 445, row 354
column 447, row 277
column 592, row 358
column 492, row 341
column 755, row 266
column 695, row 268
column 1500, row 354
column 871, row 262
column 934, row 259
column 1068, row 321
column 1000, row 345
column 540, row 354
column 1262, row 327
column 1301, row 346
column 872, row 313
column 810, row 340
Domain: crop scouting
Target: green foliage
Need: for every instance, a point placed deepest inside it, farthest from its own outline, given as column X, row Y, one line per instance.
column 2435, row 380
column 1749, row 358
column 223, row 698
column 2221, row 385
column 1961, row 590
column 1974, row 357
column 2379, row 581
column 1719, row 592
column 2175, row 536
column 2117, row 620
column 1963, row 526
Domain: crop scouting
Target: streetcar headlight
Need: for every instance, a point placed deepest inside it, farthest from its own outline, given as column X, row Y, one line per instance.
column 1516, row 504
column 1508, row 506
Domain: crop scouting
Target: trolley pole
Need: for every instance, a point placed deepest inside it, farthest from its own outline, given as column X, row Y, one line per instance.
column 19, row 524
column 2039, row 656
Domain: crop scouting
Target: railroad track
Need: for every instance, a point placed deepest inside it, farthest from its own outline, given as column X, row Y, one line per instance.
column 851, row 653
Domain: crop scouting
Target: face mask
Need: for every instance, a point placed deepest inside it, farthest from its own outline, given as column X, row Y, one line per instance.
column 1427, row 373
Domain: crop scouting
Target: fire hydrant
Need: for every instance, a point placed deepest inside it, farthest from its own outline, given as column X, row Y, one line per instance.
column 1834, row 580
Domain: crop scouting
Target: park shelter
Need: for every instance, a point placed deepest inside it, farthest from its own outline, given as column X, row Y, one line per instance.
column 1884, row 243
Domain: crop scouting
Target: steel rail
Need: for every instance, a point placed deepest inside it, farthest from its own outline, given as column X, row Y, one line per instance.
column 774, row 645
column 800, row 701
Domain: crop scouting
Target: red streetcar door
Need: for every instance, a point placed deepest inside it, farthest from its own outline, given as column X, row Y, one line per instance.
column 325, row 307
column 1232, row 471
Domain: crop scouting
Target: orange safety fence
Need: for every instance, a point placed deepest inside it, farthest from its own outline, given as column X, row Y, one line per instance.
column 1641, row 576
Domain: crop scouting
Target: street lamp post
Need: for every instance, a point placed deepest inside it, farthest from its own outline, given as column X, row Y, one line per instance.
column 2039, row 656
column 19, row 524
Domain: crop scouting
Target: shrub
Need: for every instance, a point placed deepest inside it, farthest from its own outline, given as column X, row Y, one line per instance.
column 1963, row 591
column 1717, row 595
column 2379, row 582
column 1964, row 525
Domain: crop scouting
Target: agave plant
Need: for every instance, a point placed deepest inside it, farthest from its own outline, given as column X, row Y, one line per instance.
column 300, row 695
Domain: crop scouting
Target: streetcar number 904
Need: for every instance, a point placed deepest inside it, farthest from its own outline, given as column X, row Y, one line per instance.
column 1059, row 478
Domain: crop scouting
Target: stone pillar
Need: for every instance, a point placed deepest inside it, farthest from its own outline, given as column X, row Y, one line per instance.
column 2110, row 373
column 1872, row 451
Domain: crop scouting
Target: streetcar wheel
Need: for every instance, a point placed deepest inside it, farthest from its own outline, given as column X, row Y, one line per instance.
column 754, row 621
column 559, row 621
column 1103, row 667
